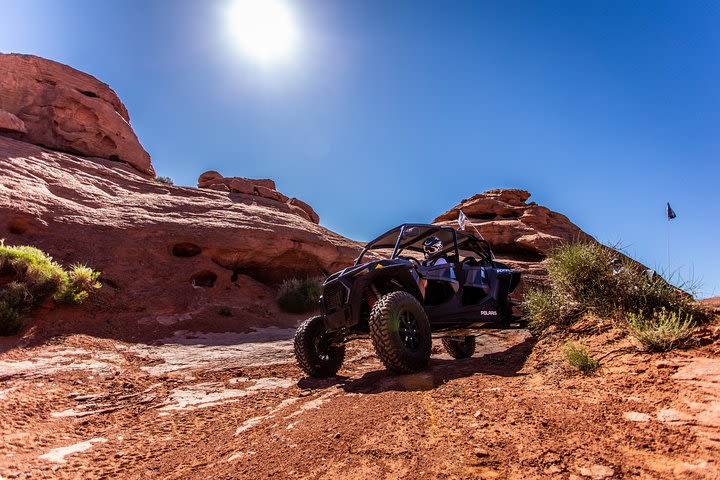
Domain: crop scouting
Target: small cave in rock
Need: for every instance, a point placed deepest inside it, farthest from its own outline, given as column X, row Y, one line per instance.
column 510, row 215
column 517, row 252
column 88, row 93
column 22, row 225
column 204, row 278
column 485, row 216
column 290, row 264
column 186, row 249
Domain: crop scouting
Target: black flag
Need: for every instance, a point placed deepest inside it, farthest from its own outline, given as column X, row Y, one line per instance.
column 670, row 212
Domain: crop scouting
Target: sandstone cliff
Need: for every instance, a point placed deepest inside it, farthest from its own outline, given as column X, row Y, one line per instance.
column 50, row 104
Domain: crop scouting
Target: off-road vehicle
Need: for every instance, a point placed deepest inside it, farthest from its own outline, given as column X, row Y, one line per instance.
column 401, row 304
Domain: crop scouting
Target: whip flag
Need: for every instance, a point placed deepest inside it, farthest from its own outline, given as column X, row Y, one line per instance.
column 461, row 220
column 670, row 212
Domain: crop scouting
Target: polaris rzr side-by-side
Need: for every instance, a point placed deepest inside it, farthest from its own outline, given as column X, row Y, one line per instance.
column 435, row 282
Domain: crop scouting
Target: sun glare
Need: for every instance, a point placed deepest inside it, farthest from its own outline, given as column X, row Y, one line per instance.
column 265, row 31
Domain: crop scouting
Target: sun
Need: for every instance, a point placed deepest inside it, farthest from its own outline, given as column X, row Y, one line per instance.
column 265, row 31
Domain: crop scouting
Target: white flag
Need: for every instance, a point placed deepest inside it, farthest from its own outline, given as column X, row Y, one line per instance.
column 461, row 220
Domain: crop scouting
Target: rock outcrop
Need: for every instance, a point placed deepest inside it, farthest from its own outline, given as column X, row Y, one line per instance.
column 522, row 234
column 514, row 226
column 52, row 105
column 171, row 257
column 9, row 123
column 264, row 188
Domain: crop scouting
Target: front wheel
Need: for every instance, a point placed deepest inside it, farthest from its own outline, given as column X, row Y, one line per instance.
column 316, row 350
column 462, row 347
column 400, row 332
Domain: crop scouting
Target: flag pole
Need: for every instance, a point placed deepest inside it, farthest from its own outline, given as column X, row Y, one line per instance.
column 668, row 246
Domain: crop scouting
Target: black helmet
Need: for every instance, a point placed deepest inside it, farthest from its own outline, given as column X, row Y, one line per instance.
column 433, row 247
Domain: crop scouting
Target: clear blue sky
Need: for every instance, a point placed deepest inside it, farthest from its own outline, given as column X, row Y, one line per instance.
column 393, row 111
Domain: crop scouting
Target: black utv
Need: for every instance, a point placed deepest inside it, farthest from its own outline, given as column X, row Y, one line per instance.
column 400, row 303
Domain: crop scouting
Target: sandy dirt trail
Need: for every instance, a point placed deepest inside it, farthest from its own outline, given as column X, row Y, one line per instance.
column 235, row 406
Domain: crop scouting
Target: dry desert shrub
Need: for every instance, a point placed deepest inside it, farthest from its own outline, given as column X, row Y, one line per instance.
column 300, row 295
column 580, row 358
column 662, row 331
column 589, row 278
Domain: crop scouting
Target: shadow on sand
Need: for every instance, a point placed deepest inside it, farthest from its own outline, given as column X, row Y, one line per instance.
column 504, row 364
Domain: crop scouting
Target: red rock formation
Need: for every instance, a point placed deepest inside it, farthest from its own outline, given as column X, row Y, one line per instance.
column 9, row 123
column 522, row 234
column 170, row 257
column 64, row 109
column 512, row 225
column 264, row 188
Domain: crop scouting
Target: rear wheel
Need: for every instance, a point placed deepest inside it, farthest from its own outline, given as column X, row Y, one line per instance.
column 316, row 350
column 400, row 332
column 462, row 347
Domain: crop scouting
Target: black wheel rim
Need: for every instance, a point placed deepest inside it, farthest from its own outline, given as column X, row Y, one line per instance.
column 322, row 347
column 408, row 330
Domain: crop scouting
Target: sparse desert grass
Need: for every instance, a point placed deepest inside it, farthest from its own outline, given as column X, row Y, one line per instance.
column 165, row 180
column 81, row 280
column 580, row 358
column 583, row 280
column 29, row 277
column 663, row 330
column 225, row 312
column 300, row 295
column 544, row 307
column 582, row 272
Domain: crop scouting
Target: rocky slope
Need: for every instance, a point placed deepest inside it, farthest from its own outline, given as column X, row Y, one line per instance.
column 171, row 257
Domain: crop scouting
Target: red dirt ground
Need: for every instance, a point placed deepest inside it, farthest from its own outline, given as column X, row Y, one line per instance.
column 233, row 406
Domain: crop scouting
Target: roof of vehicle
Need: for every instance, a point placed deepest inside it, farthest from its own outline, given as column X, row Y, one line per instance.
column 415, row 233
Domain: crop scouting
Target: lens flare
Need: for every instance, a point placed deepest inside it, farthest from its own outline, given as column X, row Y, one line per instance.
column 265, row 31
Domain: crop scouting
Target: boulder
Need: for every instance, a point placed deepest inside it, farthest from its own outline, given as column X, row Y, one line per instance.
column 264, row 188
column 264, row 182
column 220, row 187
column 68, row 110
column 208, row 178
column 270, row 193
column 309, row 211
column 10, row 123
column 300, row 212
column 241, row 185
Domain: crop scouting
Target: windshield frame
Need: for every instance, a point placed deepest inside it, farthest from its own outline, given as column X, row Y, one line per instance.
column 399, row 246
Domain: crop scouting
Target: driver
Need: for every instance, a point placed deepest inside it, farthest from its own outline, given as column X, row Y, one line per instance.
column 433, row 248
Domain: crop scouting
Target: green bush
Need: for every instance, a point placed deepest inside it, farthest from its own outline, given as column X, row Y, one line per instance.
column 544, row 307
column 81, row 281
column 662, row 331
column 29, row 277
column 580, row 358
column 583, row 280
column 300, row 295
column 582, row 271
column 225, row 312
column 165, row 180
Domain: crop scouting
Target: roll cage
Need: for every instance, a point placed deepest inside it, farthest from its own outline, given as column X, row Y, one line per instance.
column 409, row 236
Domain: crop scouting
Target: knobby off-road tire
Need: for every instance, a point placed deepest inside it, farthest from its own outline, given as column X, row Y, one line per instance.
column 314, row 350
column 460, row 348
column 400, row 332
